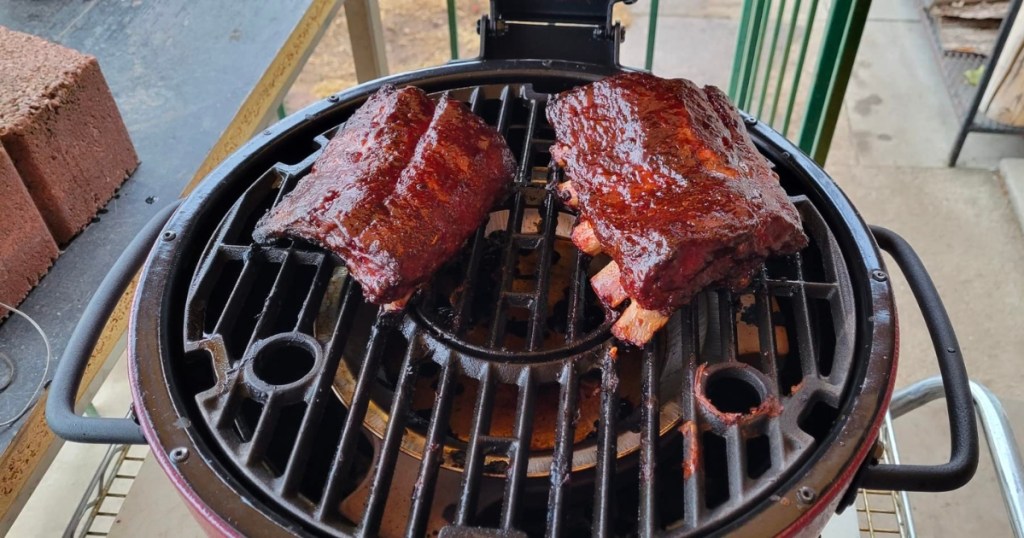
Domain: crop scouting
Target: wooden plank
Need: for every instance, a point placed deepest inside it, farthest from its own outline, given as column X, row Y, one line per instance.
column 364, row 29
column 187, row 76
column 1004, row 97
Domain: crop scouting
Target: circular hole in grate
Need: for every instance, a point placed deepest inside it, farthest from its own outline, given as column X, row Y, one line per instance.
column 283, row 362
column 731, row 392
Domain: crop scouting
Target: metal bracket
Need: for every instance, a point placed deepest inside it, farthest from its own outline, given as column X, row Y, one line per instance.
column 541, row 29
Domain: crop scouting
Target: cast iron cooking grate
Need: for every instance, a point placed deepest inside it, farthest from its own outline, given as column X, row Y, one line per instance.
column 498, row 400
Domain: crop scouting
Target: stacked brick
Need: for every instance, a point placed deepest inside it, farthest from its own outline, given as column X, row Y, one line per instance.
column 65, row 151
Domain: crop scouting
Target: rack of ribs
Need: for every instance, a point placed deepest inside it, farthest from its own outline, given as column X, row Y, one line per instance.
column 397, row 191
column 667, row 182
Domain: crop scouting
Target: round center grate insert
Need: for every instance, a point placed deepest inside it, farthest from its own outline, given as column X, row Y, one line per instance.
column 521, row 293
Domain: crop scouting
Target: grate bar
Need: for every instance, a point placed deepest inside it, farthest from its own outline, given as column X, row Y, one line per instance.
column 538, row 315
column 519, row 454
column 354, row 419
column 503, row 111
column 469, row 282
column 475, row 451
column 805, row 339
column 518, row 299
column 515, row 220
column 423, row 490
column 239, row 293
column 577, row 296
column 310, row 306
column 381, row 484
column 524, row 159
column 263, row 433
column 508, row 268
column 272, row 304
column 736, row 462
column 476, row 251
column 769, row 366
column 649, row 419
column 561, row 463
column 727, row 325
column 693, row 491
column 289, row 481
column 765, row 330
column 607, row 452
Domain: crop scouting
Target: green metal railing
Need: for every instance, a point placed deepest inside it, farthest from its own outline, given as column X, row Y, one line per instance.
column 758, row 80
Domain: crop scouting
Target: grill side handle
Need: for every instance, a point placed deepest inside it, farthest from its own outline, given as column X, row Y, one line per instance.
column 963, row 427
column 60, row 402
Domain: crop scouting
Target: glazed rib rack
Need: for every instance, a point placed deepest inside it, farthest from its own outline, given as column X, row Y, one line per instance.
column 359, row 421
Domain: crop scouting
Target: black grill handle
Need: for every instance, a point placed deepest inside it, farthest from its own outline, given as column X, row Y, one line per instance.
column 963, row 428
column 60, row 402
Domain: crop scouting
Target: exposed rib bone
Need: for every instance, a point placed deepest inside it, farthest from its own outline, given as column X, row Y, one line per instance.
column 397, row 305
column 637, row 325
column 567, row 193
column 585, row 240
column 608, row 287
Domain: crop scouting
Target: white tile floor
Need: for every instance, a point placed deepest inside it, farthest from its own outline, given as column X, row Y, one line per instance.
column 888, row 155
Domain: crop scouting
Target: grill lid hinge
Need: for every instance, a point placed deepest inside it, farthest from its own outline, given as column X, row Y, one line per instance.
column 576, row 30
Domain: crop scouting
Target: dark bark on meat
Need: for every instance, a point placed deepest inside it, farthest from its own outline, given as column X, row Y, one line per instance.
column 671, row 185
column 398, row 190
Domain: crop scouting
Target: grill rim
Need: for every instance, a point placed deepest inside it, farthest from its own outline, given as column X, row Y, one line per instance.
column 153, row 386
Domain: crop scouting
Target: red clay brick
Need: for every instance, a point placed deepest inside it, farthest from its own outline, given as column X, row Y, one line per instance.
column 62, row 130
column 26, row 248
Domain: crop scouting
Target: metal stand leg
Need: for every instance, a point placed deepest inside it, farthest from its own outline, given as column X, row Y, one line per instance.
column 958, row 145
column 1001, row 444
column 986, row 77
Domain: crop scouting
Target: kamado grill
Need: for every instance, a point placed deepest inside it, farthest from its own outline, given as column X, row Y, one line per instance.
column 498, row 404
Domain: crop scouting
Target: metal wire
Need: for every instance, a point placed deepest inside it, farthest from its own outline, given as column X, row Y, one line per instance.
column 885, row 513
column 46, row 368
column 93, row 504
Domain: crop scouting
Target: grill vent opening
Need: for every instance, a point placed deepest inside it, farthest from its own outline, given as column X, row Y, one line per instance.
column 517, row 323
column 253, row 301
column 283, row 440
column 669, row 487
column 790, row 373
column 318, row 464
column 819, row 420
column 291, row 300
column 716, row 470
column 198, row 371
column 249, row 412
column 821, row 313
column 229, row 271
column 759, row 456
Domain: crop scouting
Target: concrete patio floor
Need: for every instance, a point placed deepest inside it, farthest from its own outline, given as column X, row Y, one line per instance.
column 888, row 155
